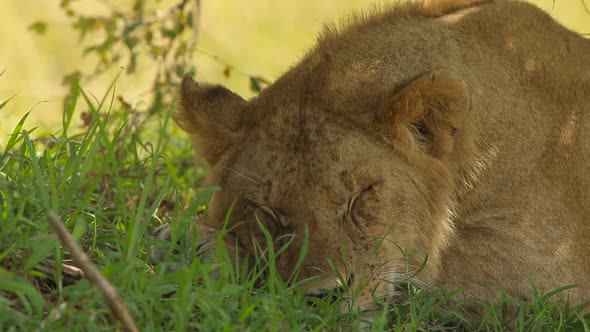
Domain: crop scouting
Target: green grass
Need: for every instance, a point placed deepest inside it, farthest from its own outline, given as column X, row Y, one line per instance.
column 122, row 176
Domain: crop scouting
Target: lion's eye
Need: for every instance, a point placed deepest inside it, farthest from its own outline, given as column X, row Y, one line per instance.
column 353, row 202
column 272, row 213
column 267, row 211
column 350, row 204
column 276, row 216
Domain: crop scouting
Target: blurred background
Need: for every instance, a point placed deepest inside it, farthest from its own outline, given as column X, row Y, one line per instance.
column 241, row 44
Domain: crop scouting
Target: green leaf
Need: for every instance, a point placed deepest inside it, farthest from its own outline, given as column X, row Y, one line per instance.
column 110, row 26
column 39, row 27
column 139, row 8
column 85, row 24
column 179, row 70
column 41, row 249
column 203, row 197
column 132, row 63
column 190, row 19
column 3, row 103
column 65, row 3
column 556, row 291
column 13, row 283
column 15, row 133
column 70, row 102
column 71, row 79
column 7, row 251
column 131, row 27
column 169, row 33
column 255, row 84
column 80, row 228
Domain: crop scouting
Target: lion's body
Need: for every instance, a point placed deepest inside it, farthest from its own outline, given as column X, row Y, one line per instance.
column 490, row 179
column 523, row 177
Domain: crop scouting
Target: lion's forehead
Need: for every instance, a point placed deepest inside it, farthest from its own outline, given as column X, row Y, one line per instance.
column 305, row 149
column 301, row 154
column 283, row 175
column 321, row 175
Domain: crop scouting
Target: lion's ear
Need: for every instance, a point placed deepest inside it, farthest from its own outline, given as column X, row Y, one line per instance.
column 211, row 114
column 427, row 111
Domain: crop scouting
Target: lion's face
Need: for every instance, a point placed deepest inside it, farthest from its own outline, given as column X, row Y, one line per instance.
column 348, row 194
column 301, row 171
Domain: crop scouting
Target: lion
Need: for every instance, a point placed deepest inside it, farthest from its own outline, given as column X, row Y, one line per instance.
column 445, row 141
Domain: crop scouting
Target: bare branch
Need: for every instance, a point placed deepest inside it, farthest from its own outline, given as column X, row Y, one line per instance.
column 93, row 274
column 196, row 26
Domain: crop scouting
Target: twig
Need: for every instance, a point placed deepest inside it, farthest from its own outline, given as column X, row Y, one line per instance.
column 225, row 63
column 93, row 274
column 161, row 15
column 196, row 26
column 70, row 274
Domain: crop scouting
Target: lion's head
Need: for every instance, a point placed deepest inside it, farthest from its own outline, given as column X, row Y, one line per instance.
column 366, row 178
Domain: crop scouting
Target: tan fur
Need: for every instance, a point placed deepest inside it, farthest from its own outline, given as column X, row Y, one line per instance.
column 459, row 131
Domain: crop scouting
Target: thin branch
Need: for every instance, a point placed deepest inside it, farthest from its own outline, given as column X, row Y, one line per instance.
column 160, row 15
column 70, row 274
column 93, row 274
column 226, row 63
column 196, row 26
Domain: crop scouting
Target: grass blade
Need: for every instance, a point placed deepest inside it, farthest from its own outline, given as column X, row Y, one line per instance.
column 14, row 137
column 2, row 104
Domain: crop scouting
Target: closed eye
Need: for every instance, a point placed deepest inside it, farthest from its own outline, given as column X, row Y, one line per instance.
column 354, row 199
column 350, row 204
column 270, row 212
column 276, row 216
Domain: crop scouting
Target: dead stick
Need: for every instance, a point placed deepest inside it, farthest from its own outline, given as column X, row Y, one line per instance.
column 93, row 274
